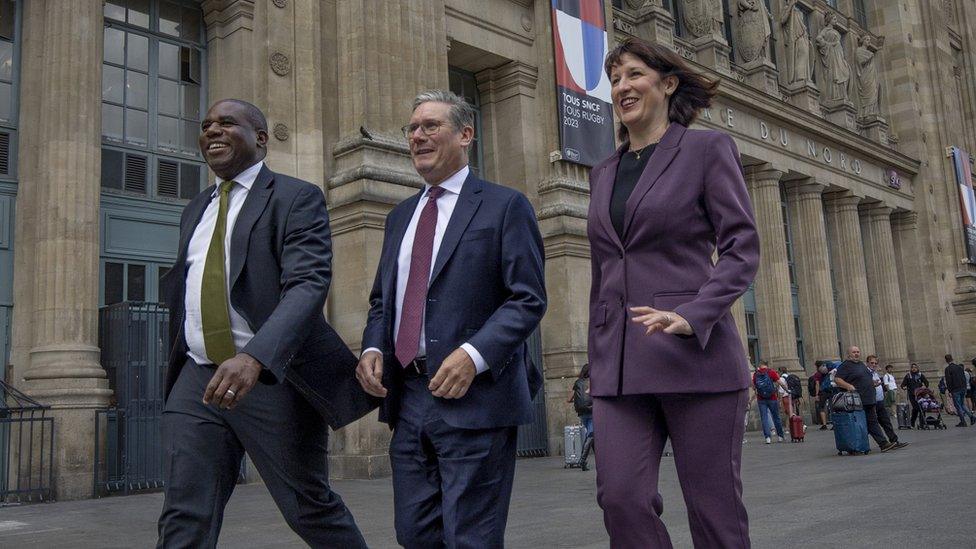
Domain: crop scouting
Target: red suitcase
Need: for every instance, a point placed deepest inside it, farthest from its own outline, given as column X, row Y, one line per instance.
column 796, row 429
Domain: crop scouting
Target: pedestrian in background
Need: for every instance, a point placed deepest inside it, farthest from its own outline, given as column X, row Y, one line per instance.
column 854, row 376
column 956, row 386
column 767, row 384
column 913, row 380
column 890, row 389
column 583, row 404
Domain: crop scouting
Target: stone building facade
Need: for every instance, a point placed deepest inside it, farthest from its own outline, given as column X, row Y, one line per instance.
column 842, row 110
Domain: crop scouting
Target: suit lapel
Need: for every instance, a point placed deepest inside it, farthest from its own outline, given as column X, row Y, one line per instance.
column 257, row 199
column 467, row 204
column 398, row 231
column 602, row 193
column 659, row 161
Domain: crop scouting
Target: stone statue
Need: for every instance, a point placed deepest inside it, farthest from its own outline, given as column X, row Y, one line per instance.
column 868, row 85
column 702, row 17
column 836, row 81
column 796, row 42
column 752, row 30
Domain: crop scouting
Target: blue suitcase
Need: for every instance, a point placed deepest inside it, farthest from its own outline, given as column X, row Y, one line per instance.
column 850, row 432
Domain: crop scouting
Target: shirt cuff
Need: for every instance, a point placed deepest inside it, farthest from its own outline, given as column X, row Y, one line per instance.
column 368, row 349
column 479, row 361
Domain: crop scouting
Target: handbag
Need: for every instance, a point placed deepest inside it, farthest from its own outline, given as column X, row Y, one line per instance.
column 846, row 402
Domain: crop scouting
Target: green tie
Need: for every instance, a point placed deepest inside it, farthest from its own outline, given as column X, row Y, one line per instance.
column 214, row 309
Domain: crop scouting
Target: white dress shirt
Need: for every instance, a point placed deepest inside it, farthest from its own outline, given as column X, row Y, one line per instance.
column 445, row 208
column 196, row 258
column 888, row 381
column 879, row 388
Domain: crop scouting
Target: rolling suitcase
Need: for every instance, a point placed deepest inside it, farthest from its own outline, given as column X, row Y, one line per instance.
column 574, row 435
column 850, row 432
column 904, row 415
column 796, row 428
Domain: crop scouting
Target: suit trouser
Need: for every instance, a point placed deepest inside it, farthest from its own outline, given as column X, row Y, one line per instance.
column 706, row 433
column 916, row 412
column 451, row 486
column 286, row 439
column 871, row 414
column 884, row 420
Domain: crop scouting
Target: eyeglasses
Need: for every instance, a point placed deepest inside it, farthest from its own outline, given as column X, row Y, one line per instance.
column 429, row 128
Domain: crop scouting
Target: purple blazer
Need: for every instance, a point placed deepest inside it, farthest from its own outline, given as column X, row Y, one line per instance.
column 690, row 201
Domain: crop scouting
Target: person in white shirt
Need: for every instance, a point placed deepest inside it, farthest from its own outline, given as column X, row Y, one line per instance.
column 890, row 389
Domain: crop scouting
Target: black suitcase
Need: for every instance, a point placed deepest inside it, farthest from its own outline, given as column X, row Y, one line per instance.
column 903, row 413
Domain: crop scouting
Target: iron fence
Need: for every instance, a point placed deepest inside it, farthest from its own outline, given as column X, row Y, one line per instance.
column 26, row 448
column 533, row 438
column 133, row 337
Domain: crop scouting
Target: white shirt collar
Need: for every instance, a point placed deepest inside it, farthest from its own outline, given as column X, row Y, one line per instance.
column 453, row 183
column 244, row 179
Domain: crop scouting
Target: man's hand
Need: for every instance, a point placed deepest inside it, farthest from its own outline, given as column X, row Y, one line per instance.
column 369, row 372
column 232, row 381
column 455, row 375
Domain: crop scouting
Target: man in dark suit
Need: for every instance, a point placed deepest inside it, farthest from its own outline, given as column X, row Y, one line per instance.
column 253, row 362
column 459, row 288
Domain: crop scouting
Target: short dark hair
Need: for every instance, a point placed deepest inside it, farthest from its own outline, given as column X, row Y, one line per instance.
column 585, row 371
column 868, row 359
column 253, row 114
column 948, row 358
column 888, row 367
column 694, row 91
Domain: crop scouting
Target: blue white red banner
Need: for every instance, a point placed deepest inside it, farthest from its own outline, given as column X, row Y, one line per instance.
column 967, row 198
column 583, row 89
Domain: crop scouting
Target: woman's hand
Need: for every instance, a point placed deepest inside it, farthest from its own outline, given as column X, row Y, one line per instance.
column 667, row 321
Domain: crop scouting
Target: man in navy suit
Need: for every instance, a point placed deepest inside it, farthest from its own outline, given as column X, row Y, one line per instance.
column 253, row 364
column 459, row 288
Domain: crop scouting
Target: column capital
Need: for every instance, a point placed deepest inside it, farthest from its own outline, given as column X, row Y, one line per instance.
column 876, row 210
column 508, row 80
column 904, row 220
column 843, row 200
column 763, row 175
column 805, row 187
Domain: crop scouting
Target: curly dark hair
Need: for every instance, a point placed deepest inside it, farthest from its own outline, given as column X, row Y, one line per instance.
column 694, row 91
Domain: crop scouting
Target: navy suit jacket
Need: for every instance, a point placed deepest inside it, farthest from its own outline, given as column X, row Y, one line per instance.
column 280, row 272
column 487, row 288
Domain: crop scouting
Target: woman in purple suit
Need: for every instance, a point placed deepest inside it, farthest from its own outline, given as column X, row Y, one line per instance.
column 666, row 361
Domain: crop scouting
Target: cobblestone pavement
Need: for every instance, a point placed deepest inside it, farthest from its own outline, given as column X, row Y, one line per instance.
column 798, row 495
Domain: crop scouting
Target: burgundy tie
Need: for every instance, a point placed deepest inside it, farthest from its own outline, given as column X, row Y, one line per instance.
column 412, row 311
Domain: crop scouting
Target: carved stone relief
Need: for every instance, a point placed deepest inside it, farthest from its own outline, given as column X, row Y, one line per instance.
column 796, row 41
column 702, row 17
column 836, row 71
column 751, row 30
column 280, row 63
column 868, row 83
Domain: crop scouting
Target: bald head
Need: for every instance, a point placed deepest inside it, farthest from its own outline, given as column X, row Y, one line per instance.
column 854, row 353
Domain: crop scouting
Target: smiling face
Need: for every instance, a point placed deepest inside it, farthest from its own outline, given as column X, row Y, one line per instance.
column 639, row 93
column 437, row 156
column 229, row 141
column 873, row 363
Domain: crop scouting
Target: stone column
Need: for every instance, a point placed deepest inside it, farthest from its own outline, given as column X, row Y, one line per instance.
column 850, row 278
column 388, row 51
column 774, row 299
column 889, row 320
column 510, row 145
column 916, row 309
column 64, row 370
column 739, row 315
column 812, row 265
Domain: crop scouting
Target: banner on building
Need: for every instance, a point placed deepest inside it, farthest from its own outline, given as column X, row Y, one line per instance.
column 967, row 199
column 579, row 35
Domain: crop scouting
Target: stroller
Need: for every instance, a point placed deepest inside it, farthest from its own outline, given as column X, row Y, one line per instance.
column 930, row 408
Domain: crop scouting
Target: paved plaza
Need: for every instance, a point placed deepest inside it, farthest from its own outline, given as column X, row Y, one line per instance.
column 798, row 495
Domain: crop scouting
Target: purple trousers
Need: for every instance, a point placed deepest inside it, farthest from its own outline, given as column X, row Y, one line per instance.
column 706, row 437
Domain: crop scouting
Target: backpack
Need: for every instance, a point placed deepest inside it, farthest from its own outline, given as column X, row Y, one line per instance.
column 812, row 385
column 794, row 386
column 582, row 401
column 764, row 385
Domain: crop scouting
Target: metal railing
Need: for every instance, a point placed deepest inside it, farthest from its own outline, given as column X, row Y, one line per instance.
column 533, row 438
column 26, row 448
column 133, row 337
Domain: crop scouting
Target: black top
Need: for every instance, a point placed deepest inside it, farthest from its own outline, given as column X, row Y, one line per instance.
column 955, row 377
column 859, row 375
column 629, row 171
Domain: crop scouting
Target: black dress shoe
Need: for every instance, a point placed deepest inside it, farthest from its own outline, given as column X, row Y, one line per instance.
column 962, row 424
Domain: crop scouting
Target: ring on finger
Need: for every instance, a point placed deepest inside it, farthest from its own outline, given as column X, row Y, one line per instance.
column 230, row 392
column 667, row 318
